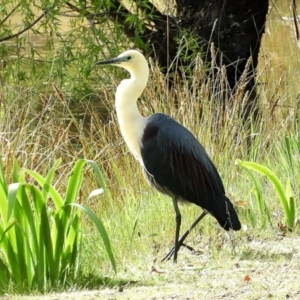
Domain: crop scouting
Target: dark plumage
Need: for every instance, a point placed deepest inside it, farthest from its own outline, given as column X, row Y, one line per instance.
column 181, row 167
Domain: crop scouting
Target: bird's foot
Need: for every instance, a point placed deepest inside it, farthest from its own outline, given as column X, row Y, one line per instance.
column 172, row 251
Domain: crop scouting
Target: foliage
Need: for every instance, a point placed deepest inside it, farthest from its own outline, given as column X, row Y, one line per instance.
column 41, row 231
column 53, row 29
column 287, row 201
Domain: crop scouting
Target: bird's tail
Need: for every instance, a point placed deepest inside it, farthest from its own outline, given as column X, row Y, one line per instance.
column 226, row 215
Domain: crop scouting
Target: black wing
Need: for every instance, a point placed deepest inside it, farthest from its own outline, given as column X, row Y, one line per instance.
column 179, row 165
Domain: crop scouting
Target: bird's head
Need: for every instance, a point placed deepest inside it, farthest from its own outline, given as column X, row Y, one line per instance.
column 131, row 60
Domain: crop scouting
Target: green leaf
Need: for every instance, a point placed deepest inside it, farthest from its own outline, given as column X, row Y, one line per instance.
column 292, row 216
column 259, row 198
column 8, row 248
column 15, row 172
column 277, row 185
column 57, row 199
column 291, row 202
column 12, row 192
column 75, row 181
column 100, row 179
column 49, row 178
column 3, row 184
column 102, row 232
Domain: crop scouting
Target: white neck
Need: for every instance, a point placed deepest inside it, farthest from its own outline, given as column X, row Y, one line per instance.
column 131, row 122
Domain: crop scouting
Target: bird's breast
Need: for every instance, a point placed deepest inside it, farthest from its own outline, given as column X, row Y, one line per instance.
column 131, row 138
column 131, row 122
column 132, row 129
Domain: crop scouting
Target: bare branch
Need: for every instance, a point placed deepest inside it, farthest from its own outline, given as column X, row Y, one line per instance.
column 9, row 14
column 28, row 27
column 73, row 7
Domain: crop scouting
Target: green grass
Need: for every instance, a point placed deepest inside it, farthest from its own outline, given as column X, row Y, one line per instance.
column 40, row 126
column 139, row 221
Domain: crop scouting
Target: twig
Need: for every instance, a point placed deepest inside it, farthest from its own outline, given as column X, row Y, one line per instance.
column 26, row 28
column 9, row 14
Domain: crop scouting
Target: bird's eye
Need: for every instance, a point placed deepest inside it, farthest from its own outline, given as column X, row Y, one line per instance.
column 128, row 57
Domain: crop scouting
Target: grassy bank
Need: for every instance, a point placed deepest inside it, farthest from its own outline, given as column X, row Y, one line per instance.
column 39, row 126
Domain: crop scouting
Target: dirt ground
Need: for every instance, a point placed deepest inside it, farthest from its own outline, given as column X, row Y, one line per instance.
column 261, row 270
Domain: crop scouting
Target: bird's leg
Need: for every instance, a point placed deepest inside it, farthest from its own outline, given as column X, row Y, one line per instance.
column 177, row 230
column 181, row 240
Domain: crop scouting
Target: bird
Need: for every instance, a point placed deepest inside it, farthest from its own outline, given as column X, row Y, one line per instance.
column 172, row 159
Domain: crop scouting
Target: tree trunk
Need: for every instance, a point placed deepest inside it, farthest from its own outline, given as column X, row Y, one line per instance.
column 235, row 28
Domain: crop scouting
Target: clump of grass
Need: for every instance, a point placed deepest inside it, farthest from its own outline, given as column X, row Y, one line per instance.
column 40, row 239
column 287, row 201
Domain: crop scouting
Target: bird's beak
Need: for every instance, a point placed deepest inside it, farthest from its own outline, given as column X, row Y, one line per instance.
column 112, row 61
